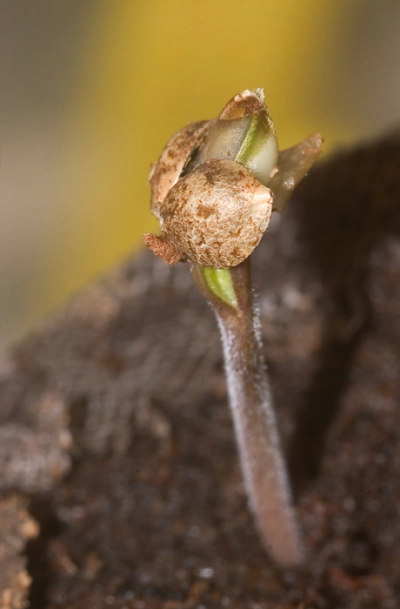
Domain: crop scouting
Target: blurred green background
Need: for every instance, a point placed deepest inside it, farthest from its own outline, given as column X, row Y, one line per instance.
column 92, row 89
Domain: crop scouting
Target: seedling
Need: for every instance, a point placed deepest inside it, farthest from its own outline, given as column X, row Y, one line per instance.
column 213, row 190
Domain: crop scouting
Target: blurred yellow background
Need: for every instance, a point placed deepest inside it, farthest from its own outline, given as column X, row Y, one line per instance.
column 92, row 90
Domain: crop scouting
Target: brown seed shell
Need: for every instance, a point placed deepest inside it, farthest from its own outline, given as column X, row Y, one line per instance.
column 165, row 173
column 162, row 248
column 217, row 214
column 244, row 103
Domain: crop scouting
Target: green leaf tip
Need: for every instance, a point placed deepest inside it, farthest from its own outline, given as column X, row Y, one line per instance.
column 253, row 140
column 219, row 282
column 259, row 148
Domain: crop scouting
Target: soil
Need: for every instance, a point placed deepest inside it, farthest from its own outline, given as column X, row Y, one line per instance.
column 116, row 434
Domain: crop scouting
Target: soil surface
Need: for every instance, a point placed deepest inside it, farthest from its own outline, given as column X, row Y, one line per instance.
column 116, row 433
